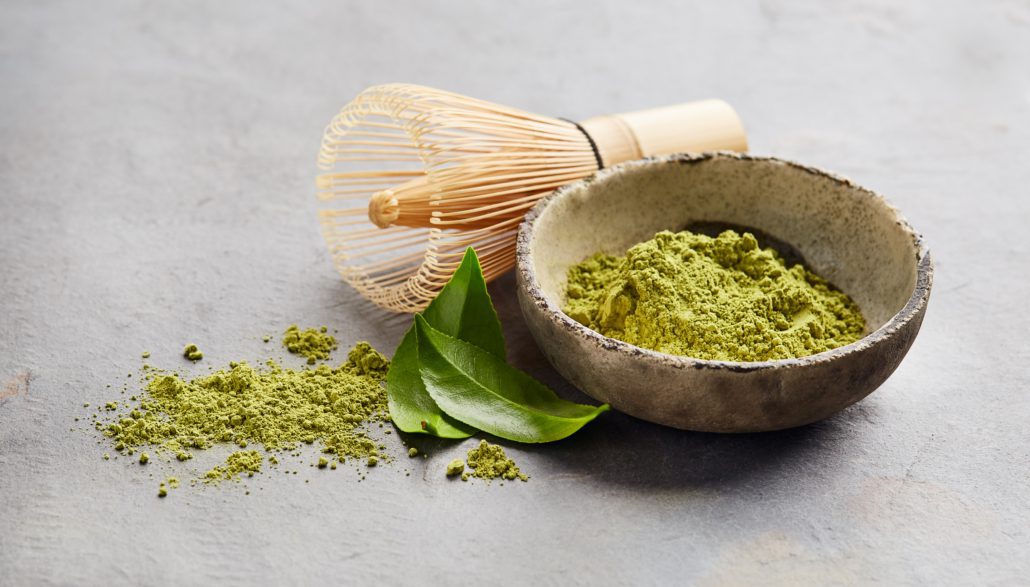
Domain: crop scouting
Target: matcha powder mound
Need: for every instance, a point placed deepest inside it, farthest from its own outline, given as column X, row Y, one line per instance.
column 275, row 407
column 244, row 461
column 721, row 298
column 488, row 461
column 313, row 344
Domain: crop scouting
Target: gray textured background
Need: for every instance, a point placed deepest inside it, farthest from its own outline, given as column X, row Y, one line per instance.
column 156, row 187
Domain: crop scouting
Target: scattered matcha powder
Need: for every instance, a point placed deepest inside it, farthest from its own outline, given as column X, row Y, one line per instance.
column 311, row 343
column 412, row 452
column 719, row 298
column 488, row 461
column 239, row 462
column 275, row 407
column 162, row 489
column 146, row 354
column 192, row 353
column 455, row 467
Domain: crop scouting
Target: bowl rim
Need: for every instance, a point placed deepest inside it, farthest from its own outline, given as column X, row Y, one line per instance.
column 913, row 308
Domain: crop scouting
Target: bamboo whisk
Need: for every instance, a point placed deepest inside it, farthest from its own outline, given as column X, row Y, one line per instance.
column 413, row 176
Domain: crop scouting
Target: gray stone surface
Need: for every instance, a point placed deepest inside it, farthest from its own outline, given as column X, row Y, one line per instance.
column 156, row 179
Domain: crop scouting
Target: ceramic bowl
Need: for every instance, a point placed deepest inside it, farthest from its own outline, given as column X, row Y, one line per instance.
column 847, row 234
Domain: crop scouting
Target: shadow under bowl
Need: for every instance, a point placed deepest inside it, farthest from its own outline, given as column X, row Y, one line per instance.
column 847, row 234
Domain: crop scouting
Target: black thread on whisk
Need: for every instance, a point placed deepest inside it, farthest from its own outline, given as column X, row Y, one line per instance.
column 590, row 139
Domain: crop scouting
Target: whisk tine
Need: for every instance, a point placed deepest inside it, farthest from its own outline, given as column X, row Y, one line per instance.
column 412, row 176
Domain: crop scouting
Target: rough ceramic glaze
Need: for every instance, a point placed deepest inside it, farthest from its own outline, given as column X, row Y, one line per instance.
column 849, row 235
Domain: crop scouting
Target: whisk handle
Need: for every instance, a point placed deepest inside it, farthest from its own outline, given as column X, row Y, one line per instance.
column 707, row 125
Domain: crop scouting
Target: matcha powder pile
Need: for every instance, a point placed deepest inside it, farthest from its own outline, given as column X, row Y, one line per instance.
column 313, row 344
column 721, row 298
column 488, row 461
column 275, row 407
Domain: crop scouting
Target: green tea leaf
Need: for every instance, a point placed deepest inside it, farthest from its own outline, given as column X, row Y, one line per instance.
column 411, row 407
column 481, row 390
column 462, row 310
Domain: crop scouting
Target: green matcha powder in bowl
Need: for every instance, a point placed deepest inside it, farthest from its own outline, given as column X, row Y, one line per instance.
column 720, row 298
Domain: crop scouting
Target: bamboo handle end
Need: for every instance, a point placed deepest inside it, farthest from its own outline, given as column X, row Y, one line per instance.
column 708, row 125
